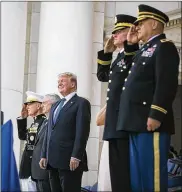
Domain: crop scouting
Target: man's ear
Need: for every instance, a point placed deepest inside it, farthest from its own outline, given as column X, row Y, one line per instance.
column 72, row 85
column 39, row 105
column 154, row 24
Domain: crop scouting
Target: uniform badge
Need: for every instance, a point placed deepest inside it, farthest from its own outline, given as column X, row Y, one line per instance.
column 149, row 52
column 121, row 63
column 31, row 138
column 155, row 45
column 145, row 54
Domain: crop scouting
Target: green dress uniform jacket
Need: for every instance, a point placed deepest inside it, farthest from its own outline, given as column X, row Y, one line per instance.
column 115, row 74
column 150, row 87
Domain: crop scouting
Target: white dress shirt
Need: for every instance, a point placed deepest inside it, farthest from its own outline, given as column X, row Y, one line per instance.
column 68, row 97
column 122, row 50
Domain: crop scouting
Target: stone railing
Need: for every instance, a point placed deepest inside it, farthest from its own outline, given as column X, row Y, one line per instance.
column 173, row 23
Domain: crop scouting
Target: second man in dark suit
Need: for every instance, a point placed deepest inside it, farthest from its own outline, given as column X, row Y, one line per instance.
column 68, row 131
column 41, row 176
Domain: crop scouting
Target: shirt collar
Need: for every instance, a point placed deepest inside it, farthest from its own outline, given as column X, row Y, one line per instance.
column 153, row 37
column 121, row 50
column 68, row 97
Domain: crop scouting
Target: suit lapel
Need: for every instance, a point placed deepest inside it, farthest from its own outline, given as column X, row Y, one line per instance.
column 69, row 103
column 41, row 131
column 65, row 108
column 52, row 113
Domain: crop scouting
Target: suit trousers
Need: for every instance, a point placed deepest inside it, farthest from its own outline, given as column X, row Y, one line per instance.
column 43, row 186
column 65, row 180
column 119, row 165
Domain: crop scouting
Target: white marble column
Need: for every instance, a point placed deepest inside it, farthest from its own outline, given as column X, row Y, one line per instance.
column 109, row 15
column 66, row 45
column 30, row 69
column 93, row 143
column 13, row 22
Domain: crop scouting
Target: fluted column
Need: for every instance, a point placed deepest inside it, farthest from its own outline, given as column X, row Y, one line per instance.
column 13, row 22
column 65, row 44
column 91, row 177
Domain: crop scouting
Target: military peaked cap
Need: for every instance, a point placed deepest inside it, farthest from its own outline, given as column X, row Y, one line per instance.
column 123, row 21
column 146, row 12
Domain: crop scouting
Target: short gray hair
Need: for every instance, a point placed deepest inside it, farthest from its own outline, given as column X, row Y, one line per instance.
column 53, row 97
column 72, row 77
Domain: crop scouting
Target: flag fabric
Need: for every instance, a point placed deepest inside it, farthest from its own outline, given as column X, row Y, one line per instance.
column 9, row 173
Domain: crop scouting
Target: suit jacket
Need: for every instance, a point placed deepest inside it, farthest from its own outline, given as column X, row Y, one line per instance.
column 151, row 87
column 114, row 73
column 25, row 134
column 68, row 136
column 37, row 172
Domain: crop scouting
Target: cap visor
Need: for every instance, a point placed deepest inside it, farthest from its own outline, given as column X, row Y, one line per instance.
column 115, row 30
column 28, row 102
column 140, row 19
column 32, row 102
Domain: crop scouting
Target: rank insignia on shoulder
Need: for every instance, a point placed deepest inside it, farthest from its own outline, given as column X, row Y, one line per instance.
column 166, row 40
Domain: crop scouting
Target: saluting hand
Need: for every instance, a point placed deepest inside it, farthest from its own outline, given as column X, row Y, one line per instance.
column 153, row 124
column 74, row 163
column 24, row 112
column 132, row 36
column 109, row 46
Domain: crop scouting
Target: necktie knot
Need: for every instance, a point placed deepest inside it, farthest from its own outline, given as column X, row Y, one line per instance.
column 63, row 99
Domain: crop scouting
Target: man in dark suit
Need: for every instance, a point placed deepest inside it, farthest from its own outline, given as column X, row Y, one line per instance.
column 41, row 176
column 68, row 130
column 115, row 73
column 146, row 101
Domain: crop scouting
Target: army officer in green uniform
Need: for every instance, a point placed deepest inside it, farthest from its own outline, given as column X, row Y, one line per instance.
column 114, row 73
column 146, row 102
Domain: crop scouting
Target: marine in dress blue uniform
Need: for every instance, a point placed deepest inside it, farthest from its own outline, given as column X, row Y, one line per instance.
column 115, row 73
column 148, row 94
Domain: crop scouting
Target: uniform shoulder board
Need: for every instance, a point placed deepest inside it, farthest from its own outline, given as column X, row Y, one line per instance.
column 166, row 40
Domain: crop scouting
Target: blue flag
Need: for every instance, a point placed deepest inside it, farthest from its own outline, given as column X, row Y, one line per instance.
column 9, row 173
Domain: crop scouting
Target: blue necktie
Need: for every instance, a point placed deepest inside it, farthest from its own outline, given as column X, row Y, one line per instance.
column 59, row 107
